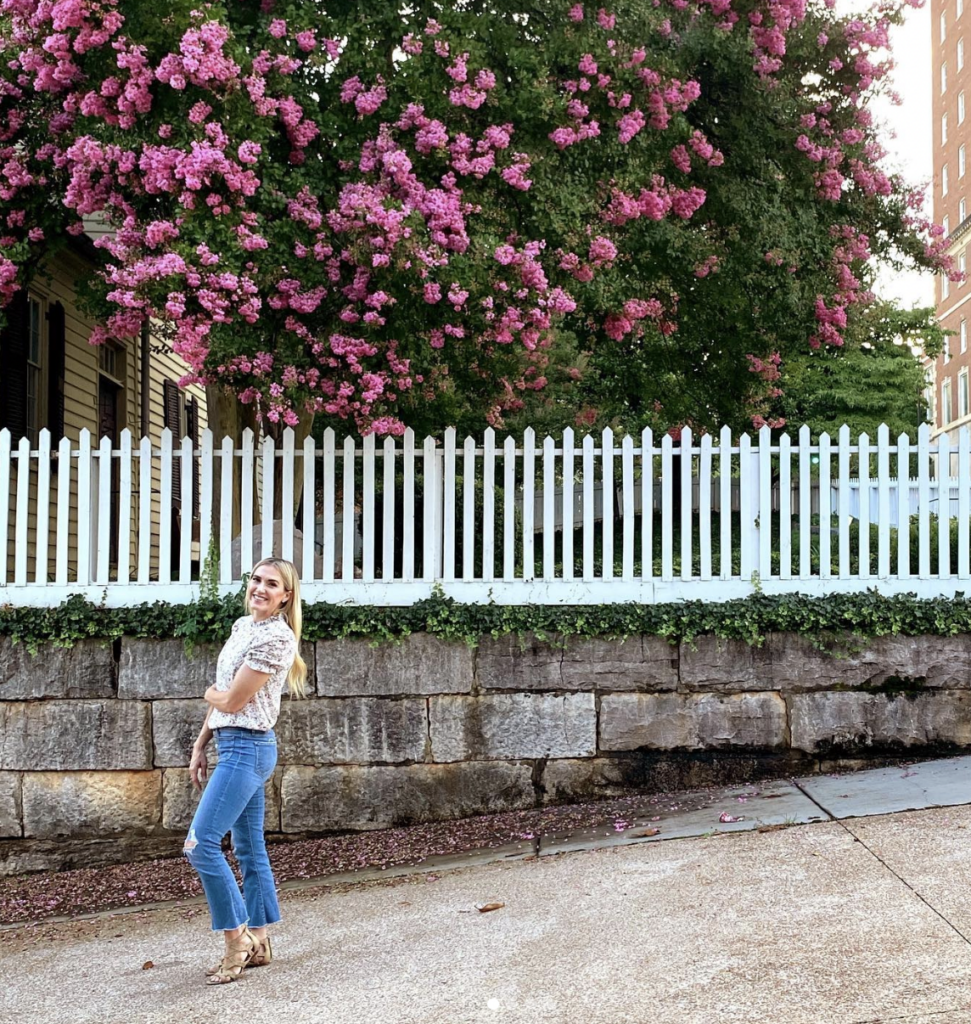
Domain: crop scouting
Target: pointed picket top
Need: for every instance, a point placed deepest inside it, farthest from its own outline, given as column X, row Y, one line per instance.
column 924, row 433
column 685, row 438
column 805, row 435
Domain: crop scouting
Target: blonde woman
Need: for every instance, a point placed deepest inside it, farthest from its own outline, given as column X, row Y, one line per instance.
column 260, row 657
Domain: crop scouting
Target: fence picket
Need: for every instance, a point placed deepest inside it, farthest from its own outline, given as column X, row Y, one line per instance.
column 288, row 457
column 64, row 510
column 588, row 507
column 725, row 502
column 748, row 528
column 267, row 495
column 347, row 510
column 844, row 500
column 227, row 456
column 185, row 522
column 124, row 508
column 102, row 573
column 509, row 510
column 206, row 473
column 328, row 529
column 647, row 503
column 607, row 476
column 529, row 509
column 667, row 508
column 165, row 508
column 549, row 508
column 247, row 470
column 387, row 530
column 825, row 507
column 449, row 503
column 964, row 501
column 765, row 503
column 408, row 509
column 21, row 544
column 43, row 505
column 367, row 510
column 923, row 501
column 785, row 507
column 489, row 505
column 429, row 496
column 805, row 503
column 943, row 506
column 863, row 476
column 468, row 509
column 569, row 453
column 686, row 465
column 903, row 506
column 308, row 511
column 883, row 500
column 4, row 504
column 627, row 508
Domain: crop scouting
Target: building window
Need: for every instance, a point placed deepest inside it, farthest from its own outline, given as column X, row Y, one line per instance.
column 964, row 335
column 945, row 291
column 943, row 27
column 946, row 224
column 962, row 211
column 944, row 182
column 960, row 54
column 35, row 369
column 961, row 162
column 960, row 108
column 960, row 8
column 943, row 128
column 963, row 261
column 963, row 393
column 944, row 78
column 945, row 403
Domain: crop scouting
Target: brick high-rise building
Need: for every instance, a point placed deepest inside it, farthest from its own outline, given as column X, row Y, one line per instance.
column 951, row 91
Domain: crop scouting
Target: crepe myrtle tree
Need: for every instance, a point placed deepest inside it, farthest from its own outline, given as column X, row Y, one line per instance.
column 392, row 215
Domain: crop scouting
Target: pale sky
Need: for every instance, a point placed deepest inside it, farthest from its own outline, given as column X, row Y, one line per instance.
column 910, row 152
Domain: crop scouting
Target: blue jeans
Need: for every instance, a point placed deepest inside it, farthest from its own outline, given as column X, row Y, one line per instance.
column 234, row 799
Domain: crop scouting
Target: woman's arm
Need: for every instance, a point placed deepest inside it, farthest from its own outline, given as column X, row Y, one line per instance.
column 245, row 683
column 199, row 763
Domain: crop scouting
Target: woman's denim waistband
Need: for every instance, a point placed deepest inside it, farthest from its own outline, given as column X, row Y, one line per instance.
column 238, row 730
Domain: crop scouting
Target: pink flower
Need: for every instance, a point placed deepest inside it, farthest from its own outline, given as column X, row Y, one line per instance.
column 576, row 12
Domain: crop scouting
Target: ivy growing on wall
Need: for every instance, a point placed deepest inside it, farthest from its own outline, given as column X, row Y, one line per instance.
column 208, row 620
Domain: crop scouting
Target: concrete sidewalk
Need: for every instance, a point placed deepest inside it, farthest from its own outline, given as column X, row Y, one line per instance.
column 844, row 919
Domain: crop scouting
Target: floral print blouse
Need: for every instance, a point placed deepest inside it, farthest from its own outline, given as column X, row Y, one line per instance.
column 265, row 646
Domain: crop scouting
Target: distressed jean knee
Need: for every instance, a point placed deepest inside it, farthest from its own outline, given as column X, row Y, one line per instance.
column 190, row 844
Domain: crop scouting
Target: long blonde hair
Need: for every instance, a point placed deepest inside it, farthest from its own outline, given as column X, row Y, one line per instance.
column 292, row 614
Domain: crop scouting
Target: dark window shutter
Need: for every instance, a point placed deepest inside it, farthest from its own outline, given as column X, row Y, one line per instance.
column 192, row 429
column 13, row 366
column 174, row 422
column 56, row 348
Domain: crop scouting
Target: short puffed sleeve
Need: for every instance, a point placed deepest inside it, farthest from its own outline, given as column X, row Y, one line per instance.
column 271, row 650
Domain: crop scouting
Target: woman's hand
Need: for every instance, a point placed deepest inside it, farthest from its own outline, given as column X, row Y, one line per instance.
column 198, row 767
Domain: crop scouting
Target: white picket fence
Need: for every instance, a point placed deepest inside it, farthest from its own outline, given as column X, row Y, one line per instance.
column 511, row 521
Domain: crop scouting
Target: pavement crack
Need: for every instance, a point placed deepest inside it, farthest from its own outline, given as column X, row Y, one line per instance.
column 911, row 1016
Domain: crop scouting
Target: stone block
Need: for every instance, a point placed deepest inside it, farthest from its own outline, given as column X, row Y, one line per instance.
column 909, row 661
column 175, row 726
column 352, row 798
column 180, row 799
column 692, row 722
column 75, row 735
column 86, row 670
column 90, row 803
column 11, row 817
column 637, row 663
column 419, row 665
column 710, row 663
column 353, row 730
column 849, row 722
column 513, row 725
column 153, row 669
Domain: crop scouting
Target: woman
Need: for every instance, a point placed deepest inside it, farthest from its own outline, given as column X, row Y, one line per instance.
column 259, row 658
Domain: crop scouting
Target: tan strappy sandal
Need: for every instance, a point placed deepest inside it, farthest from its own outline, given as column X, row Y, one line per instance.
column 232, row 964
column 262, row 957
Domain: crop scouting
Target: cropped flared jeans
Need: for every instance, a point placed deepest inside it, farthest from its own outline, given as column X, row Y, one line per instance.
column 234, row 800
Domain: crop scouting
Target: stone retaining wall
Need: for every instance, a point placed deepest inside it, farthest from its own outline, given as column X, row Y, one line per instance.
column 95, row 740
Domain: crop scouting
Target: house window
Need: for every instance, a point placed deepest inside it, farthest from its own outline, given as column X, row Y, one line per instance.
column 945, row 291
column 944, row 179
column 35, row 369
column 964, row 335
column 960, row 8
column 943, row 27
column 960, row 108
column 943, row 128
column 960, row 54
column 962, row 211
column 944, row 77
column 945, row 403
column 961, row 162
column 963, row 261
column 963, row 393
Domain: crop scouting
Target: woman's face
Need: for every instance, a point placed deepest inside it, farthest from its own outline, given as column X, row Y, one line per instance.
column 266, row 592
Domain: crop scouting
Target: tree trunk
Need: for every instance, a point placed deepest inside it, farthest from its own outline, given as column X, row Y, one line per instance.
column 300, row 434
